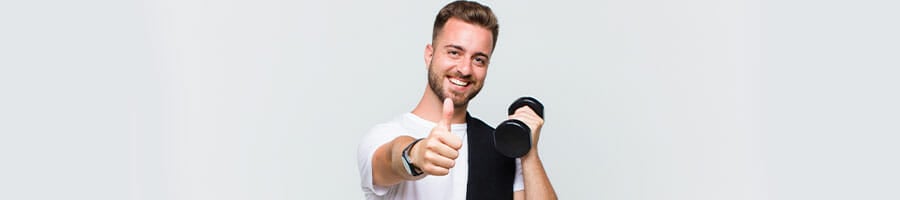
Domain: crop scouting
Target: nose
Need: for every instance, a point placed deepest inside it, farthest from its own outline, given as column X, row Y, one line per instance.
column 465, row 68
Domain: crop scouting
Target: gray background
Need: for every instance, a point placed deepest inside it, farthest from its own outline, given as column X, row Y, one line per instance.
column 267, row 99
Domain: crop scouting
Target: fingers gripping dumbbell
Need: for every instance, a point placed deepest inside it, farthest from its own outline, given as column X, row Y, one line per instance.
column 512, row 138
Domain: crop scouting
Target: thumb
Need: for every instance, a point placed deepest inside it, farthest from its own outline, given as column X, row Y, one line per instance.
column 447, row 114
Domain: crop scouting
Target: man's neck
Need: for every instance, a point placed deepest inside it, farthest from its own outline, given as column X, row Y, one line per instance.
column 430, row 108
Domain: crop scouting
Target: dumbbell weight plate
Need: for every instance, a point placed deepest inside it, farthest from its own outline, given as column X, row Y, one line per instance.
column 512, row 138
column 527, row 101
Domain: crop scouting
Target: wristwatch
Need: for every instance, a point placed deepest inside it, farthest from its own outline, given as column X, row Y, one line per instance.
column 410, row 168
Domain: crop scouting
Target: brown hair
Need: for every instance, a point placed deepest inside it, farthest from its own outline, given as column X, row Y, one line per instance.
column 469, row 12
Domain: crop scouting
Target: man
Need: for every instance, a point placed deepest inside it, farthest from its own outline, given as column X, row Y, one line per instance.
column 438, row 151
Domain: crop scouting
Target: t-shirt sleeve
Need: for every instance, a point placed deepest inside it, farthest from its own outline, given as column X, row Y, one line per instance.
column 519, row 184
column 379, row 135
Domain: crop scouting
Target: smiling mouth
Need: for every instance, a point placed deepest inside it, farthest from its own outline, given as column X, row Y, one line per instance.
column 459, row 82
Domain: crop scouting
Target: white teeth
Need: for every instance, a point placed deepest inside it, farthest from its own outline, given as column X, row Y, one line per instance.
column 458, row 82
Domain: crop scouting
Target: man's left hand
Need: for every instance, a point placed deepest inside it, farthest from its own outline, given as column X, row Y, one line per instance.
column 534, row 122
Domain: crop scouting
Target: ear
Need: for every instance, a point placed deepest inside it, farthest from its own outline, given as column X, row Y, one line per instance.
column 429, row 53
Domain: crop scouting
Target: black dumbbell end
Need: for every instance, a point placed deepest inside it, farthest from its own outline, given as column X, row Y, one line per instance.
column 527, row 101
column 512, row 138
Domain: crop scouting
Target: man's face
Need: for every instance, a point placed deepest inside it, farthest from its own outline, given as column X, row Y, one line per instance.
column 458, row 61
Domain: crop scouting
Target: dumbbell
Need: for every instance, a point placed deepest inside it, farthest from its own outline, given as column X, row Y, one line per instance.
column 512, row 138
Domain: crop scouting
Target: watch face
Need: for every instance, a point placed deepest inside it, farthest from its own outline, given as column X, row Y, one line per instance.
column 410, row 168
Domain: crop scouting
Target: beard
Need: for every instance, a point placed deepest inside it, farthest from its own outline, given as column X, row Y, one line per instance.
column 459, row 98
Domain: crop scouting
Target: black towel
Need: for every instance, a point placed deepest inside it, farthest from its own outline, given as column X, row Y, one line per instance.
column 491, row 175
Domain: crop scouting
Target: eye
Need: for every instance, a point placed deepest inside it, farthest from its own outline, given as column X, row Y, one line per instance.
column 453, row 53
column 481, row 61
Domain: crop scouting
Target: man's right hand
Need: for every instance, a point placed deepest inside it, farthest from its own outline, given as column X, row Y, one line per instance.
column 437, row 153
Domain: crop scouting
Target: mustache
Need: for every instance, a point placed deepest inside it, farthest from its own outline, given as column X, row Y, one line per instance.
column 467, row 78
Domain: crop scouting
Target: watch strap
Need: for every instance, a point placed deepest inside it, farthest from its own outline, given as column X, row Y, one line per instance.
column 410, row 168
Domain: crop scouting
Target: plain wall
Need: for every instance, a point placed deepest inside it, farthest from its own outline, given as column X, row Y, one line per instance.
column 267, row 99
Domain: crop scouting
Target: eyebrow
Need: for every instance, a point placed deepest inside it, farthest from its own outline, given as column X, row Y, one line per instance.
column 464, row 49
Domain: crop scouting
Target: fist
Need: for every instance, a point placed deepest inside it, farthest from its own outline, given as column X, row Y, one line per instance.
column 533, row 120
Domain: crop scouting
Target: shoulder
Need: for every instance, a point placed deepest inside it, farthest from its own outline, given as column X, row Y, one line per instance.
column 395, row 126
column 477, row 123
column 383, row 132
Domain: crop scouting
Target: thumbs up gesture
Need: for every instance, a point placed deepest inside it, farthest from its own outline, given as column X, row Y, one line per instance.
column 437, row 153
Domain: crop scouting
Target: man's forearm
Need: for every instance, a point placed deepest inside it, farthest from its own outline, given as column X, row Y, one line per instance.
column 387, row 165
column 537, row 184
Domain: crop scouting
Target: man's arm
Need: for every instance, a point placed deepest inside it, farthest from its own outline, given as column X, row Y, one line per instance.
column 387, row 165
column 435, row 154
column 537, row 184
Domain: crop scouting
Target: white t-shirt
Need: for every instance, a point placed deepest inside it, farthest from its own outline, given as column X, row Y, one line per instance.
column 451, row 186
